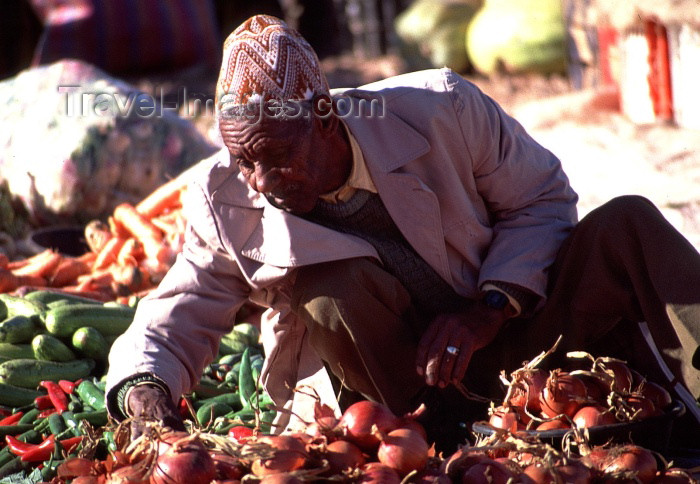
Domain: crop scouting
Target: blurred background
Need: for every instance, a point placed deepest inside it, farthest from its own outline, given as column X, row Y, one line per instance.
column 607, row 86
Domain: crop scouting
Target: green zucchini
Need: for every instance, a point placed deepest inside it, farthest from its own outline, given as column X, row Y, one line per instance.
column 12, row 351
column 90, row 342
column 14, row 396
column 50, row 348
column 17, row 329
column 48, row 297
column 63, row 321
column 28, row 373
column 19, row 306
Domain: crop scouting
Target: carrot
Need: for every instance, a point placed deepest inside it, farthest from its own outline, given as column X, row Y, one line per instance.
column 88, row 258
column 97, row 295
column 68, row 271
column 130, row 253
column 3, row 261
column 166, row 196
column 117, row 228
column 140, row 227
column 8, row 281
column 109, row 253
column 18, row 264
column 40, row 266
column 97, row 233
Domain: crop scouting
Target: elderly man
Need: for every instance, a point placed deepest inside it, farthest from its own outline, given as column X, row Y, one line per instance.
column 408, row 238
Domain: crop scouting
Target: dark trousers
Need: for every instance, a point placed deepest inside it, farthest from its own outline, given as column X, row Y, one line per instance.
column 622, row 264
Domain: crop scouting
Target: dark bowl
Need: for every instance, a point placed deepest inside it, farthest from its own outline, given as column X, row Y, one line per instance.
column 67, row 240
column 654, row 433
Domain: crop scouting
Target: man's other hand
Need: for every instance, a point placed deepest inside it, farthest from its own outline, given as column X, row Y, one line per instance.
column 152, row 402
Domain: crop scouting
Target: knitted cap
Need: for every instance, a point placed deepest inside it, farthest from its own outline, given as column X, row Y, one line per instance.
column 264, row 58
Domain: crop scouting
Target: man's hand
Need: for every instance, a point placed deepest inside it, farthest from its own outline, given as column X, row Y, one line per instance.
column 152, row 402
column 446, row 347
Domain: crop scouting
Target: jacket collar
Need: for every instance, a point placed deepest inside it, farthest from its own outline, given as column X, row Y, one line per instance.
column 410, row 203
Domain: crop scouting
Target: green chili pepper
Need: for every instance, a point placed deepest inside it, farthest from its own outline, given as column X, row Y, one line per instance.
column 14, row 429
column 29, row 416
column 56, row 424
column 246, row 383
column 97, row 418
column 90, row 394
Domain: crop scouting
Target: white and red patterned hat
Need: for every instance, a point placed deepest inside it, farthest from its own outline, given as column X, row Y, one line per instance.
column 264, row 58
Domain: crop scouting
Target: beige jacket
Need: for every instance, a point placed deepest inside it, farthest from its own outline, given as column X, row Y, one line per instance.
column 477, row 198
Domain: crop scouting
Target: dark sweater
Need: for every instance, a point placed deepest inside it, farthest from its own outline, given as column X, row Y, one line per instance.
column 365, row 216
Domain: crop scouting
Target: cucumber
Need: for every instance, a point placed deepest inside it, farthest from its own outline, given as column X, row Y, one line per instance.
column 12, row 351
column 17, row 329
column 63, row 321
column 3, row 311
column 19, row 306
column 50, row 348
column 14, row 396
column 90, row 343
column 47, row 297
column 28, row 373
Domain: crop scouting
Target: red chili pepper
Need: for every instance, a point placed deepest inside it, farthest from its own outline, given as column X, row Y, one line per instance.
column 70, row 443
column 40, row 452
column 43, row 402
column 18, row 447
column 56, row 394
column 240, row 433
column 12, row 419
column 67, row 385
column 46, row 412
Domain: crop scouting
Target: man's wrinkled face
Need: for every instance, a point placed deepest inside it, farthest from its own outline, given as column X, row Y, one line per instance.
column 276, row 158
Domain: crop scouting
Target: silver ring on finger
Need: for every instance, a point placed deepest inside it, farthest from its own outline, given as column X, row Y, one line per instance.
column 452, row 350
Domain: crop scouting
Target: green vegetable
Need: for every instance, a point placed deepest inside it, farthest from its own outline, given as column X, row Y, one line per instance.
column 56, row 424
column 17, row 329
column 97, row 418
column 28, row 373
column 246, row 383
column 30, row 416
column 18, row 306
column 518, row 36
column 207, row 413
column 90, row 343
column 47, row 297
column 50, row 348
column 14, row 396
column 91, row 395
column 109, row 320
column 12, row 351
column 14, row 429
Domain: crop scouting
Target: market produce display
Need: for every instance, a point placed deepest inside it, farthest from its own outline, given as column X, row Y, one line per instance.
column 129, row 253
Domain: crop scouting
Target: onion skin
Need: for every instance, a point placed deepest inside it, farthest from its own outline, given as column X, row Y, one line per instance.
column 375, row 472
column 656, row 393
column 593, row 415
column 508, row 418
column 342, row 455
column 526, row 391
column 186, row 461
column 622, row 378
column 563, row 394
column 359, row 419
column 642, row 407
column 227, row 467
column 289, row 455
column 487, row 471
column 631, row 458
column 555, row 424
column 404, row 450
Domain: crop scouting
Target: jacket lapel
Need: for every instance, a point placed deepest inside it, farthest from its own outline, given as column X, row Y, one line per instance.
column 411, row 204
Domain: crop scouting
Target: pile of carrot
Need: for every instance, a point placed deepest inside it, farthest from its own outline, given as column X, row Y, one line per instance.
column 128, row 255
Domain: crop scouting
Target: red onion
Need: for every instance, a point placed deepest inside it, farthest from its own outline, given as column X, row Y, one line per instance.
column 656, row 393
column 563, row 394
column 630, row 458
column 404, row 450
column 487, row 471
column 377, row 473
column 289, row 455
column 592, row 415
column 187, row 460
column 342, row 455
column 510, row 417
column 527, row 388
column 360, row 418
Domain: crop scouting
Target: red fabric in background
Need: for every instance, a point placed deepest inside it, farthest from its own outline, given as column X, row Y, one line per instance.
column 129, row 36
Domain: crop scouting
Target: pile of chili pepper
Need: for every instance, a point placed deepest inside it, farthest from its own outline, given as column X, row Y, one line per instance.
column 41, row 435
